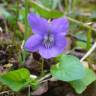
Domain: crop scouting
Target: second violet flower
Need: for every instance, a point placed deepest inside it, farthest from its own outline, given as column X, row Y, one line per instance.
column 49, row 37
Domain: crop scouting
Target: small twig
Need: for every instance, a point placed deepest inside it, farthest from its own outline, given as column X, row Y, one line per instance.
column 1, row 30
column 33, row 76
column 22, row 45
column 1, row 93
column 46, row 76
column 81, row 23
column 49, row 79
column 89, row 52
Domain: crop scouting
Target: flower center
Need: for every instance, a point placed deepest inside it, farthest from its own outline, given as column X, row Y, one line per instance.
column 48, row 40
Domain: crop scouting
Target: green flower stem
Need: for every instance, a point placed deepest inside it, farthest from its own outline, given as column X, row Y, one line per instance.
column 15, row 19
column 89, row 35
column 26, row 21
column 26, row 29
column 70, row 7
column 17, row 12
column 80, row 23
column 29, row 91
column 66, row 6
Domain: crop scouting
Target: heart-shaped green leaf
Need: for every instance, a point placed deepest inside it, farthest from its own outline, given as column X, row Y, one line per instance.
column 68, row 68
column 81, row 85
column 16, row 79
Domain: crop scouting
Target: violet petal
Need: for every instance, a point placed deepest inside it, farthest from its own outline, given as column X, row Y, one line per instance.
column 60, row 25
column 38, row 24
column 50, row 52
column 33, row 43
column 61, row 42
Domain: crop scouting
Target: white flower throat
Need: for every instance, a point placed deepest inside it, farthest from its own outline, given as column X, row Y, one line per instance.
column 48, row 40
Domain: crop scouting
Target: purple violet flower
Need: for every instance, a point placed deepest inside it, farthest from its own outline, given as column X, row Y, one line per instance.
column 49, row 37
